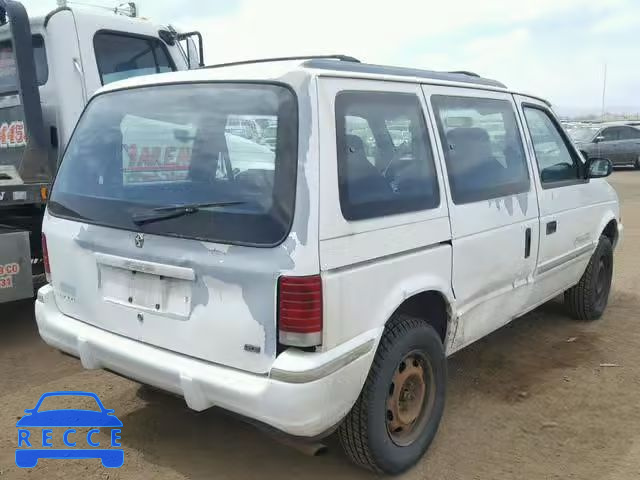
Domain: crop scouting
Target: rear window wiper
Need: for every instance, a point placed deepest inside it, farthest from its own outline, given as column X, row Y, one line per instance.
column 175, row 211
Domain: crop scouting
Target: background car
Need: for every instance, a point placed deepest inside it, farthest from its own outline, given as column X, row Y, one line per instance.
column 269, row 137
column 618, row 143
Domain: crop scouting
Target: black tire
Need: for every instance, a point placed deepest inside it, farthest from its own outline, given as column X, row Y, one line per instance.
column 364, row 433
column 637, row 164
column 588, row 299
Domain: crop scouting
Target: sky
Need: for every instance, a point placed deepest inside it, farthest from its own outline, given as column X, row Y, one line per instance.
column 553, row 48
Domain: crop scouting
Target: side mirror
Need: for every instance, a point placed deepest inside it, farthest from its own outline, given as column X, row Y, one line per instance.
column 599, row 168
column 598, row 139
column 195, row 58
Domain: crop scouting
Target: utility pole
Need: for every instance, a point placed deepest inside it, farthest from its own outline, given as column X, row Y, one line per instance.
column 604, row 90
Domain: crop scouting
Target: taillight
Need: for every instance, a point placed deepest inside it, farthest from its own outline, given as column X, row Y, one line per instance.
column 45, row 258
column 300, row 311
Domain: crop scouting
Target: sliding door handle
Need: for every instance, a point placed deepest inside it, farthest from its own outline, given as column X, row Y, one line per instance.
column 552, row 227
column 527, row 243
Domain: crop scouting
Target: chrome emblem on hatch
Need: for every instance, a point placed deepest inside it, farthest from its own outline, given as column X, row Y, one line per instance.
column 139, row 240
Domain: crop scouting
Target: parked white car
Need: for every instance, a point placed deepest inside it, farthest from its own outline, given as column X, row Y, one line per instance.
column 324, row 288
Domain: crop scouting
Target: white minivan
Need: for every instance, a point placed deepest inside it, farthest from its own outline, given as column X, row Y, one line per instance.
column 402, row 215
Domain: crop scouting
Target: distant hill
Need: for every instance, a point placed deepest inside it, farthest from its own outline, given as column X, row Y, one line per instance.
column 613, row 112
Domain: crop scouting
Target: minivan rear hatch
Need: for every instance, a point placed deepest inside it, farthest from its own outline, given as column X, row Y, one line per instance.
column 168, row 228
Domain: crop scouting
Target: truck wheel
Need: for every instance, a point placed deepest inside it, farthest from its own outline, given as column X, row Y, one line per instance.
column 637, row 164
column 399, row 409
column 588, row 299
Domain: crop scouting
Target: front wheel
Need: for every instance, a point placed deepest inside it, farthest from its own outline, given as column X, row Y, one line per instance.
column 399, row 409
column 588, row 299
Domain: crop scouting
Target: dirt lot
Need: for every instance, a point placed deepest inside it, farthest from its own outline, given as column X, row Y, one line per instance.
column 532, row 401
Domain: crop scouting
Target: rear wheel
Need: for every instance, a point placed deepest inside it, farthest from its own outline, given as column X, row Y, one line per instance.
column 399, row 409
column 588, row 299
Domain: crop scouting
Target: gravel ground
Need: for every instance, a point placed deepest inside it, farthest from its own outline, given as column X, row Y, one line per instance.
column 531, row 401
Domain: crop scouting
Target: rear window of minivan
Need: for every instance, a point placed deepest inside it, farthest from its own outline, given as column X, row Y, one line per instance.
column 141, row 151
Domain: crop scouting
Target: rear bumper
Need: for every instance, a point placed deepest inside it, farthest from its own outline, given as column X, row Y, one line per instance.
column 304, row 394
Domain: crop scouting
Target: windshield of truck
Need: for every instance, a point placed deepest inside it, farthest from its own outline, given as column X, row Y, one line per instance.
column 140, row 152
column 8, row 69
column 121, row 56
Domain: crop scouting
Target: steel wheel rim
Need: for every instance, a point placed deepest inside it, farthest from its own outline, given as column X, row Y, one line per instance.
column 410, row 399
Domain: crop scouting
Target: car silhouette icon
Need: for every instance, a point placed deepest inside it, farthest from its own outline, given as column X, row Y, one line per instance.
column 68, row 419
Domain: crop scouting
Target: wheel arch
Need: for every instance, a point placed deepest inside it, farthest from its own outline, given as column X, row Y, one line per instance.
column 609, row 229
column 432, row 302
column 432, row 307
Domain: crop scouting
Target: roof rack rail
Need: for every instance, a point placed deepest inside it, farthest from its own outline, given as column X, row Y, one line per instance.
column 343, row 58
column 465, row 72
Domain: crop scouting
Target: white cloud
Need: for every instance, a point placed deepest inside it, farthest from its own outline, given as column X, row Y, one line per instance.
column 625, row 21
column 388, row 32
column 496, row 38
column 374, row 30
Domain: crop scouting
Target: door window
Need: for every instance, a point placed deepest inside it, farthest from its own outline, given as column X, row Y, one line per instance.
column 629, row 133
column 556, row 161
column 121, row 56
column 385, row 162
column 482, row 148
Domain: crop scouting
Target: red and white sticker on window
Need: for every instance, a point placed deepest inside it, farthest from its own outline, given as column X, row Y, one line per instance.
column 7, row 272
column 13, row 134
column 155, row 163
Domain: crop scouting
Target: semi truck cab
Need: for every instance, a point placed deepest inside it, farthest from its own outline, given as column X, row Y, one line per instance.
column 49, row 67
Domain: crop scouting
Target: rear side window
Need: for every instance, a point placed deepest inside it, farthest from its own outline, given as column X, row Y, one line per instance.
column 385, row 162
column 482, row 148
column 122, row 56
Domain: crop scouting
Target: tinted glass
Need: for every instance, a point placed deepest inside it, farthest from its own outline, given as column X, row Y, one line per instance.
column 556, row 162
column 482, row 147
column 142, row 149
column 610, row 134
column 8, row 69
column 630, row 133
column 122, row 56
column 385, row 163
